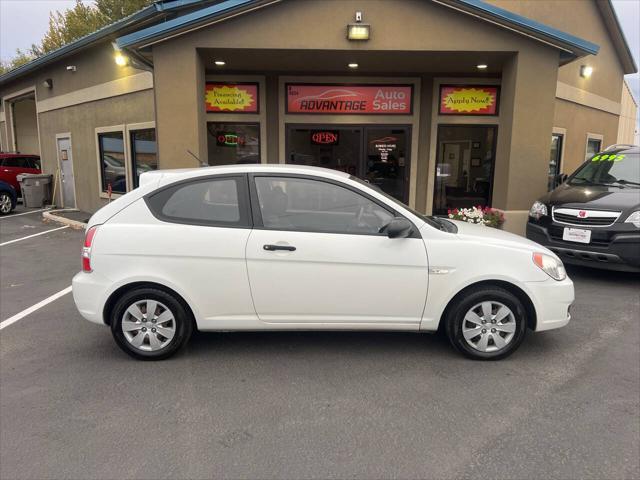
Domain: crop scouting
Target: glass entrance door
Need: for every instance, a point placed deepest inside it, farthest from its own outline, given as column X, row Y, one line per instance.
column 464, row 167
column 378, row 154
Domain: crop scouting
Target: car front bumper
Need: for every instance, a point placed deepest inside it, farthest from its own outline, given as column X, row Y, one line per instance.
column 621, row 252
column 552, row 300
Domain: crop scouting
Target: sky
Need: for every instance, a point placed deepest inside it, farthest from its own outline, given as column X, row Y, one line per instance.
column 23, row 22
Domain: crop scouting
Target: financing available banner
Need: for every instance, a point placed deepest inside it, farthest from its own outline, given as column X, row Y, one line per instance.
column 350, row 99
column 232, row 97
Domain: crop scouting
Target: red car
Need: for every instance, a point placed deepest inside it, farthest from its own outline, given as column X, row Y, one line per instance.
column 12, row 164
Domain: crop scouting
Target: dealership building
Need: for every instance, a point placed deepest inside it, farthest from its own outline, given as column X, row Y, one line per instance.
column 441, row 103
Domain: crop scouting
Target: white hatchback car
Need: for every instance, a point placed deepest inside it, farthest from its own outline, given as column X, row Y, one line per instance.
column 275, row 247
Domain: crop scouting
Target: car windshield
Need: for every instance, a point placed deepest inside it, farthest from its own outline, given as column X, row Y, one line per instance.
column 609, row 169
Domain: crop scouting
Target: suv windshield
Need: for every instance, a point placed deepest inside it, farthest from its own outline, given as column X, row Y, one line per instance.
column 609, row 169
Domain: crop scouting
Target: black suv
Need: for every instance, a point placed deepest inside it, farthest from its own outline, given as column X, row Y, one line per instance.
column 593, row 217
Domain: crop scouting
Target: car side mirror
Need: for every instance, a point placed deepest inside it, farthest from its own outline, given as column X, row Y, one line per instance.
column 561, row 178
column 398, row 228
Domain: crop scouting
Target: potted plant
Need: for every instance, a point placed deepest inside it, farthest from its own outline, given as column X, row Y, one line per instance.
column 480, row 215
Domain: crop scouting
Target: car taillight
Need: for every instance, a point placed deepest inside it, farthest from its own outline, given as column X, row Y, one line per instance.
column 86, row 249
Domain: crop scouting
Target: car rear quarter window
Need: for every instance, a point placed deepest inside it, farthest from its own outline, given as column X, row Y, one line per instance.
column 213, row 202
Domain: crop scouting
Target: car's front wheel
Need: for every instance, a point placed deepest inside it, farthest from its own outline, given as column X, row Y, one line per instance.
column 486, row 323
column 150, row 324
column 6, row 203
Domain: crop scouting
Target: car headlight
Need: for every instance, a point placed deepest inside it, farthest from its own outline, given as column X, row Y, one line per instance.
column 550, row 265
column 634, row 218
column 538, row 209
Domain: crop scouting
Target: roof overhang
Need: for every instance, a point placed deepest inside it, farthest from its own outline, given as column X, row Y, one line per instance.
column 192, row 21
column 617, row 37
column 570, row 46
column 154, row 12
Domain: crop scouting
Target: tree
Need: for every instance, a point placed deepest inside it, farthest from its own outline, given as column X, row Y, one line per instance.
column 74, row 23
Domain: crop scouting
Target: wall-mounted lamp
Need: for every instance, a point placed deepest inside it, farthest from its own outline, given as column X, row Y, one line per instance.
column 71, row 68
column 220, row 63
column 358, row 30
column 120, row 59
column 482, row 66
column 48, row 83
column 352, row 65
column 586, row 71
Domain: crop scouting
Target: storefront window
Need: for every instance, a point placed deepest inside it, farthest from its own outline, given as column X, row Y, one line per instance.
column 464, row 169
column 144, row 155
column 555, row 160
column 232, row 143
column 112, row 162
column 378, row 155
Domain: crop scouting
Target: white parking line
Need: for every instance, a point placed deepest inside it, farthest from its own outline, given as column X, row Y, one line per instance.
column 35, row 307
column 23, row 213
column 34, row 235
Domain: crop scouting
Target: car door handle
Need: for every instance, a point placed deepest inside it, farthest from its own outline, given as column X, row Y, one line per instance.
column 273, row 248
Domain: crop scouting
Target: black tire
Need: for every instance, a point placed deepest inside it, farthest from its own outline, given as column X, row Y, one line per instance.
column 182, row 318
column 469, row 299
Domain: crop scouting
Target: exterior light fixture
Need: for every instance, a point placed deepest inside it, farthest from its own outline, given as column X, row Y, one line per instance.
column 220, row 63
column 482, row 66
column 71, row 68
column 353, row 65
column 48, row 83
column 358, row 31
column 121, row 60
column 586, row 71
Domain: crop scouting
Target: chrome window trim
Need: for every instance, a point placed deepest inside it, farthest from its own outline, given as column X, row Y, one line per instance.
column 590, row 214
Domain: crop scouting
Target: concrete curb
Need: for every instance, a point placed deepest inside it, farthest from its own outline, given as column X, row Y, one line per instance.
column 51, row 215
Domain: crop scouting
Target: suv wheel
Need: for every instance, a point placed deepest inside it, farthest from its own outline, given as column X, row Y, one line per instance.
column 487, row 323
column 150, row 324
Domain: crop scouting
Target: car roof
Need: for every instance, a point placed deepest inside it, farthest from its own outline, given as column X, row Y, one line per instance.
column 167, row 176
column 14, row 154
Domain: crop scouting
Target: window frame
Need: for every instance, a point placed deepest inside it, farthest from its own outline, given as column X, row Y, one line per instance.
column 131, row 129
column 244, row 203
column 256, row 212
column 112, row 129
column 592, row 136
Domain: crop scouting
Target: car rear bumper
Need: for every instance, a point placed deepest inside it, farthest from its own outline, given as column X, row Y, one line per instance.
column 552, row 301
column 622, row 253
column 90, row 294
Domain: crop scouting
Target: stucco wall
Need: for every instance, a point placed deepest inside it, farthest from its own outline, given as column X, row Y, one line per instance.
column 311, row 26
column 81, row 121
column 579, row 120
column 628, row 124
column 583, row 19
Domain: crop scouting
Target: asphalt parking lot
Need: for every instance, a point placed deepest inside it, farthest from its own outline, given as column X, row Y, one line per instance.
column 308, row 405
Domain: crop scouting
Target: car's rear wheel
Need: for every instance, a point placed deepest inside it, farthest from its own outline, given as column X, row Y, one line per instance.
column 486, row 323
column 6, row 203
column 150, row 324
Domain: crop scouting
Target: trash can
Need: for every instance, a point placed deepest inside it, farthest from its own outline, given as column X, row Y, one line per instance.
column 36, row 189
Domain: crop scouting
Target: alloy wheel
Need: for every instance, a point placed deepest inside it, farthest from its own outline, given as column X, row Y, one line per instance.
column 5, row 203
column 489, row 326
column 148, row 325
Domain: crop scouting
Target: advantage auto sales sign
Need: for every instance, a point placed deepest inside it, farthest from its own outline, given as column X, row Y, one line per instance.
column 350, row 99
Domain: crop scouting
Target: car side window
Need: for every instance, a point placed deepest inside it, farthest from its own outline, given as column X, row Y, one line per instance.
column 309, row 205
column 13, row 162
column 216, row 202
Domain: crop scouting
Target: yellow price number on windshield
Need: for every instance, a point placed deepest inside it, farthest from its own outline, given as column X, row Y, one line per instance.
column 608, row 158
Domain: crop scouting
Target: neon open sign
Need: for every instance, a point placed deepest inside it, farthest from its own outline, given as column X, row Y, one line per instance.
column 324, row 138
column 229, row 139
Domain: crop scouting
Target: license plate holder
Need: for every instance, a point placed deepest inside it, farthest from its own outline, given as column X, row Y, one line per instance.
column 578, row 235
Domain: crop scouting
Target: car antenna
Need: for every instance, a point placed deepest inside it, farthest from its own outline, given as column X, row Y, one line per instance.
column 202, row 164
